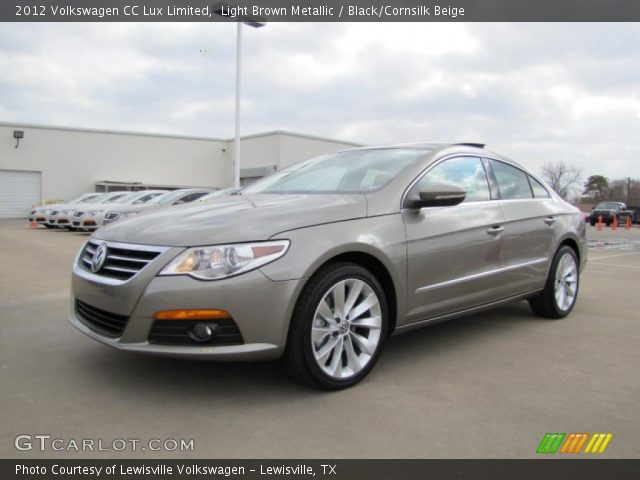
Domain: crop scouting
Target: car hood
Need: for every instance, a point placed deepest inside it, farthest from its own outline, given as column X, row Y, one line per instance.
column 99, row 207
column 56, row 206
column 234, row 218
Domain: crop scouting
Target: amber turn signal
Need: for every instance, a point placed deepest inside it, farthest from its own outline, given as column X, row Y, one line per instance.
column 191, row 314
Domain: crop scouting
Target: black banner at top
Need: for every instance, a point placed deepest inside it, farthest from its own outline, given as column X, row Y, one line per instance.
column 320, row 11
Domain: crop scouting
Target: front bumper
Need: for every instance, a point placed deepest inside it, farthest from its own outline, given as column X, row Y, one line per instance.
column 260, row 307
column 88, row 222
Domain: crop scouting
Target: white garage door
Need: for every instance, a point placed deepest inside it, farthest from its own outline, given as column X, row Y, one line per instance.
column 19, row 190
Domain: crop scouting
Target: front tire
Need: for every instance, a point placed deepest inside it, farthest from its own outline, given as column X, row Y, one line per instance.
column 561, row 290
column 338, row 327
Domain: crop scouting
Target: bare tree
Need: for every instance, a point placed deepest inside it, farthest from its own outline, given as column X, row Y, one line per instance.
column 563, row 178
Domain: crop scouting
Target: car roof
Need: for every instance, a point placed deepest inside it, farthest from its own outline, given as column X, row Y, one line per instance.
column 420, row 145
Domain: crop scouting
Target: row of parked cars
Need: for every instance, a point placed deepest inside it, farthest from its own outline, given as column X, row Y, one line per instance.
column 89, row 211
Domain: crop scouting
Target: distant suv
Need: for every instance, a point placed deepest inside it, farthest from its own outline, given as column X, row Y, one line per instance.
column 609, row 211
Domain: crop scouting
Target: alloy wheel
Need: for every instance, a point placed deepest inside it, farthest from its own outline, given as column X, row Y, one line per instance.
column 566, row 282
column 346, row 328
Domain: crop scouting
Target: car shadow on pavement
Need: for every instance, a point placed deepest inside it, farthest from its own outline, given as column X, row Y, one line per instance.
column 195, row 379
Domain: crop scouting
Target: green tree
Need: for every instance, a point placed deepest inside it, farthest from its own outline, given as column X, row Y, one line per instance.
column 596, row 187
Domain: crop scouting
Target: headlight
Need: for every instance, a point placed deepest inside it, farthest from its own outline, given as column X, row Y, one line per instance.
column 221, row 261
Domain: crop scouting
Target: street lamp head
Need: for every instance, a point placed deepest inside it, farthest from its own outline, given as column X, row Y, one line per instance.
column 223, row 9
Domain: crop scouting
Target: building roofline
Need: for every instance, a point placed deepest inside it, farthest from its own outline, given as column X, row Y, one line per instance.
column 105, row 131
column 300, row 135
column 174, row 136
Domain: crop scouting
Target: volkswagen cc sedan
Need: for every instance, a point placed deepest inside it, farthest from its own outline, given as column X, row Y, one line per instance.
column 323, row 261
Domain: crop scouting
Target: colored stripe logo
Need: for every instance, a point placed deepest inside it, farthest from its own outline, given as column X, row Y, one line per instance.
column 574, row 442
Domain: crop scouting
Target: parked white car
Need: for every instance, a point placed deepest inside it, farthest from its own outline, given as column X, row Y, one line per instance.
column 40, row 213
column 91, row 217
column 174, row 197
column 62, row 215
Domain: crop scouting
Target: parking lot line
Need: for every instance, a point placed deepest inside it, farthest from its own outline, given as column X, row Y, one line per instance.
column 613, row 265
column 613, row 256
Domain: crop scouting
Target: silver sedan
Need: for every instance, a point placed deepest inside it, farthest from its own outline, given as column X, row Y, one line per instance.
column 323, row 261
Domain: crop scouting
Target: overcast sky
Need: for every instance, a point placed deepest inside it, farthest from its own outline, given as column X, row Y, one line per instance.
column 534, row 92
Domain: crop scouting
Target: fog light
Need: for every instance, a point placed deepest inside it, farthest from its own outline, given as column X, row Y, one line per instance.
column 203, row 332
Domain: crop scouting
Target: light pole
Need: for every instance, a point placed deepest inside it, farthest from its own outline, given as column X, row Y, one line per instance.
column 223, row 10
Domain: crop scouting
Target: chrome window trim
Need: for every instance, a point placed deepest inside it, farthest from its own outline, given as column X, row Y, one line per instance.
column 477, row 276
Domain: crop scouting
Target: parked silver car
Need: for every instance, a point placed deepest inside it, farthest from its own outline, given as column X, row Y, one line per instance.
column 322, row 262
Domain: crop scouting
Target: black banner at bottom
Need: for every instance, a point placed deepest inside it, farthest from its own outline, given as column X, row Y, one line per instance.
column 546, row 468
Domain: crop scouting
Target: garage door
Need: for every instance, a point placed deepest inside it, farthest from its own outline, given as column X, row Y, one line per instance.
column 19, row 190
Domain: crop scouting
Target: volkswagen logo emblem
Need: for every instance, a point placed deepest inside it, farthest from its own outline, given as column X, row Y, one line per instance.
column 98, row 258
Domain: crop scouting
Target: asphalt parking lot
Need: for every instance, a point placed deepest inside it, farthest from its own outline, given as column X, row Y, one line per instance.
column 486, row 386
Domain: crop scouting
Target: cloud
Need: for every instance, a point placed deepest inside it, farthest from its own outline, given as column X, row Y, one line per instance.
column 535, row 92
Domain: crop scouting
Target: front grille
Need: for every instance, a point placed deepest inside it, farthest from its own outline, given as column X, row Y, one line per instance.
column 63, row 220
column 122, row 260
column 177, row 332
column 76, row 223
column 111, row 216
column 107, row 323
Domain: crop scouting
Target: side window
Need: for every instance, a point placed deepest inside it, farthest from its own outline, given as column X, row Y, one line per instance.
column 512, row 181
column 465, row 172
column 538, row 190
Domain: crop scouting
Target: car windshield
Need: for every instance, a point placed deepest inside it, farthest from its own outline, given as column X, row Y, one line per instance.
column 98, row 199
column 84, row 198
column 168, row 197
column 126, row 198
column 111, row 197
column 608, row 206
column 356, row 171
column 217, row 193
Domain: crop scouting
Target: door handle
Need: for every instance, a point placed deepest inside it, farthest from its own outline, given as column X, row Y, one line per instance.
column 549, row 221
column 495, row 231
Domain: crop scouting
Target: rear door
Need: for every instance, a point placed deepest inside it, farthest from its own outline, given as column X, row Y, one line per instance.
column 454, row 253
column 528, row 229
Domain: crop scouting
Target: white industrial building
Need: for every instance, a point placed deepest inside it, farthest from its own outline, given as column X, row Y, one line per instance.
column 41, row 164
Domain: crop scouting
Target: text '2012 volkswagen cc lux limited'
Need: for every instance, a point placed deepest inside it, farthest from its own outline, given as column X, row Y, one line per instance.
column 323, row 261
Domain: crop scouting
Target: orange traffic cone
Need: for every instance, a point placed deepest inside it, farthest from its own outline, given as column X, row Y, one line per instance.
column 614, row 224
column 627, row 224
column 599, row 223
column 33, row 224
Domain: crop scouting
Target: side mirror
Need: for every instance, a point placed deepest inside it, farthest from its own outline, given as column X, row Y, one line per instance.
column 440, row 195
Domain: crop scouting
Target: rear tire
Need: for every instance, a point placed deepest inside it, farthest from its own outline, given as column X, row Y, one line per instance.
column 561, row 290
column 338, row 327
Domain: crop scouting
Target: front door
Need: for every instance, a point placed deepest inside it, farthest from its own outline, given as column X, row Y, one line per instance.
column 454, row 253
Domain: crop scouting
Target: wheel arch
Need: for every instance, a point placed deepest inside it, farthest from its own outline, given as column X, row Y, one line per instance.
column 376, row 263
column 573, row 244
